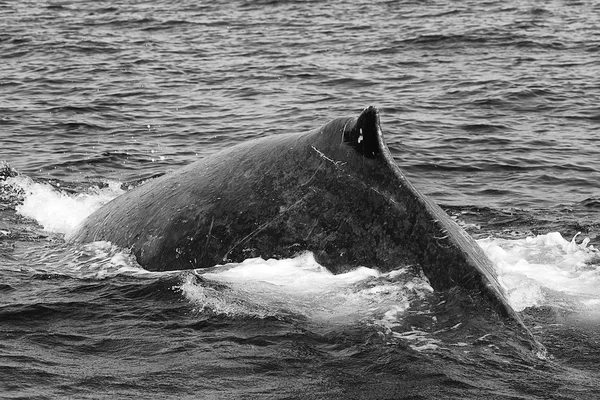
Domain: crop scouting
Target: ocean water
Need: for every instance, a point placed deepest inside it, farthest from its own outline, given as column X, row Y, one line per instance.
column 489, row 107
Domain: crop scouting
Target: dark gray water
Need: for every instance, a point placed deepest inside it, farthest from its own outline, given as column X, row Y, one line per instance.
column 489, row 107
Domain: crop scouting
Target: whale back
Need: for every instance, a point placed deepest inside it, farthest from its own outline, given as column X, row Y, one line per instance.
column 335, row 191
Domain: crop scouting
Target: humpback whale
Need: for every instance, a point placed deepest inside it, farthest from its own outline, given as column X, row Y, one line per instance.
column 335, row 191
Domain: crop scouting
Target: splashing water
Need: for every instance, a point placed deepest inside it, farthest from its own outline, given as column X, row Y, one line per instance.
column 57, row 211
column 301, row 287
column 546, row 270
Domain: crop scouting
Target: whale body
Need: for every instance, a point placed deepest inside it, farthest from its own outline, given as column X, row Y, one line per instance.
column 335, row 191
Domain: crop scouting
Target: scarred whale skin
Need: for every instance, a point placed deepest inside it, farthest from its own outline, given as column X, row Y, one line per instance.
column 335, row 191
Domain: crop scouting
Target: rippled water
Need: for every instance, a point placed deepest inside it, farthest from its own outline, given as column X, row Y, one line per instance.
column 489, row 107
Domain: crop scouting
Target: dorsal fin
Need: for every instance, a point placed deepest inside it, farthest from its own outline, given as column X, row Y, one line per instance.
column 363, row 136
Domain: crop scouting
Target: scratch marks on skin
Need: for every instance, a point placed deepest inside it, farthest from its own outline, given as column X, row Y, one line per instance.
column 381, row 194
column 323, row 156
column 388, row 198
column 212, row 222
column 263, row 226
column 312, row 176
column 314, row 225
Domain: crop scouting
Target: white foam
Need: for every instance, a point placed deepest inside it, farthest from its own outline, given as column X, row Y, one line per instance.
column 546, row 269
column 300, row 286
column 55, row 210
column 301, row 274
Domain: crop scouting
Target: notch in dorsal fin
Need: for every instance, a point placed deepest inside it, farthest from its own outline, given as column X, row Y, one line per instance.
column 363, row 135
